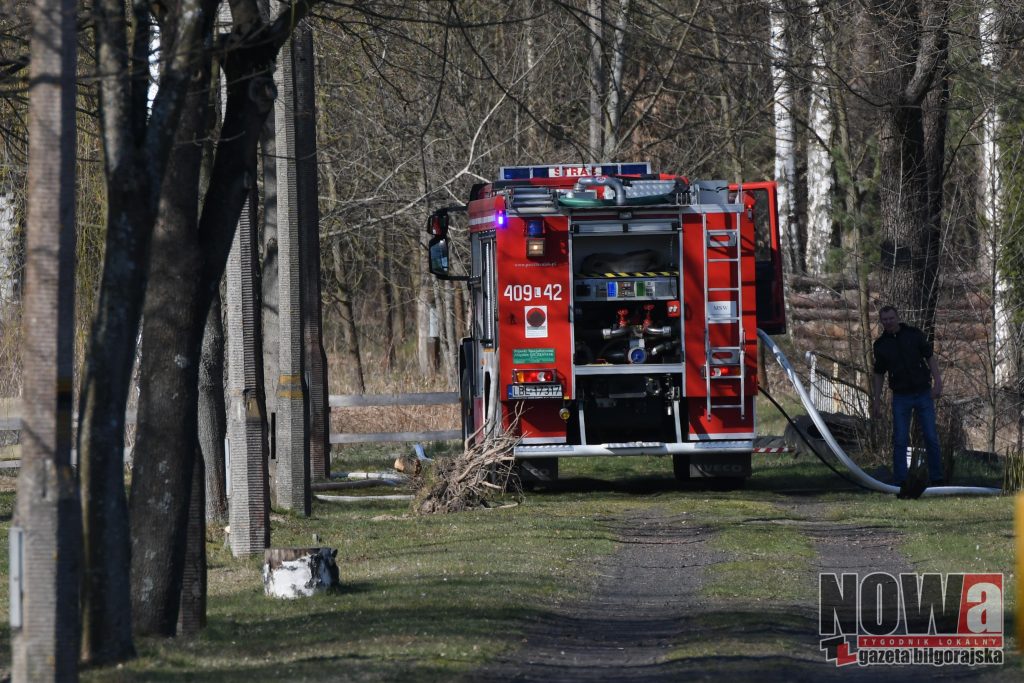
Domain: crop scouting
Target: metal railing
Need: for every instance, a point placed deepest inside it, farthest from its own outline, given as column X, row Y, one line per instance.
column 831, row 393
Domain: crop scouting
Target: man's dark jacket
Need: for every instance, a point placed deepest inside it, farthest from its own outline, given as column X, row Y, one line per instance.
column 904, row 355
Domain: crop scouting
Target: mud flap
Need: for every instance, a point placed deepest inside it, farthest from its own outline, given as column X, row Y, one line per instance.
column 534, row 471
column 732, row 465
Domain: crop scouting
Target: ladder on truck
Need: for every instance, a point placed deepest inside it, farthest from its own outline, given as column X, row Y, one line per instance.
column 724, row 363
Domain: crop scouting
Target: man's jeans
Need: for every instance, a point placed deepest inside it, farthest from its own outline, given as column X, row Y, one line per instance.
column 902, row 406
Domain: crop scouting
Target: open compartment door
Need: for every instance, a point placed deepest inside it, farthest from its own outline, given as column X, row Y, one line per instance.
column 771, row 305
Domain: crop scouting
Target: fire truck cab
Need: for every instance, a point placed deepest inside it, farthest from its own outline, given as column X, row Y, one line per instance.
column 614, row 311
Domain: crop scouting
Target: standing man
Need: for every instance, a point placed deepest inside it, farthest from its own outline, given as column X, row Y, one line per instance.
column 905, row 354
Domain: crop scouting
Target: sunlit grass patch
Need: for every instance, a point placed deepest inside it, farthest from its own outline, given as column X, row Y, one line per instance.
column 769, row 562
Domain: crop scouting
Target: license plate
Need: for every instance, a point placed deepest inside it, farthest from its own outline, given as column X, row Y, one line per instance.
column 535, row 391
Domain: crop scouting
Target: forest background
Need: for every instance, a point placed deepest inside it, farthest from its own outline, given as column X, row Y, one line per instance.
column 892, row 126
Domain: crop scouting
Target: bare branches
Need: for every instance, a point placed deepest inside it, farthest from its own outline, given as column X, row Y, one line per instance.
column 471, row 479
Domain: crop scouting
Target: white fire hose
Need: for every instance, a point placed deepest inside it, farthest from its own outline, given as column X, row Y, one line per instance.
column 859, row 475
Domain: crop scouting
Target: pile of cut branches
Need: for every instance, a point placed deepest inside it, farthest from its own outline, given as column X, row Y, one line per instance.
column 472, row 479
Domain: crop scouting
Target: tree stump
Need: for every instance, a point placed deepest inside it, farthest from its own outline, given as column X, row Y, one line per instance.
column 298, row 572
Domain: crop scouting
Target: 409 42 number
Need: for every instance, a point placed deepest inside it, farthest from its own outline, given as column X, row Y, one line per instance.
column 551, row 292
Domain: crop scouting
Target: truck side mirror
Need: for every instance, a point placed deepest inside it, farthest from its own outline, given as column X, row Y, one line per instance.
column 438, row 250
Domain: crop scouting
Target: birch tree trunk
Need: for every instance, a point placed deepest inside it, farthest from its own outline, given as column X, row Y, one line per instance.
column 8, row 266
column 785, row 137
column 45, row 612
column 426, row 344
column 991, row 197
column 595, row 39
column 820, row 171
column 613, row 106
column 529, row 145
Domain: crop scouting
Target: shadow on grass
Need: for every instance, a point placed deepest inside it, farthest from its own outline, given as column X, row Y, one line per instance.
column 728, row 642
column 421, row 643
column 792, row 478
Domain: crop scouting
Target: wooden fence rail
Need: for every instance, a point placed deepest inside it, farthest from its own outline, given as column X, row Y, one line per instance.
column 383, row 400
column 10, row 418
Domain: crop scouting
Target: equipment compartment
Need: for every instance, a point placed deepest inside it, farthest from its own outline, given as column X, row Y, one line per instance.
column 626, row 294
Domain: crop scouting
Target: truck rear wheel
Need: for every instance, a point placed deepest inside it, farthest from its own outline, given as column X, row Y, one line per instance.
column 681, row 466
column 466, row 407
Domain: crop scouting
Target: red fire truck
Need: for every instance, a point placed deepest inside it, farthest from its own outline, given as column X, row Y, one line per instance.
column 614, row 311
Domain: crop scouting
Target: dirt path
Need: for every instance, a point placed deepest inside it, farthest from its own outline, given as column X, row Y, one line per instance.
column 648, row 618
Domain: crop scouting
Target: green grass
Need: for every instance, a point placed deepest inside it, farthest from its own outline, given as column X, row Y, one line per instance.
column 771, row 422
column 770, row 561
column 381, row 457
column 431, row 598
column 424, row 597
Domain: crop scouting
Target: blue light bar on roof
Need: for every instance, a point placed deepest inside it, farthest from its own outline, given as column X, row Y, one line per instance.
column 573, row 170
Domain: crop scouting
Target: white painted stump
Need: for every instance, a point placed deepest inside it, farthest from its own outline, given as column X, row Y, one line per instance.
column 298, row 572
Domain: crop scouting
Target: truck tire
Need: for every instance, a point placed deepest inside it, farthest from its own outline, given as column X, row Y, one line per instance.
column 466, row 407
column 681, row 466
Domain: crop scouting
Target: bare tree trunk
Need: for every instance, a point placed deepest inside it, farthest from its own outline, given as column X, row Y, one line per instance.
column 728, row 104
column 348, row 325
column 45, row 609
column 388, row 304
column 820, row 172
column 595, row 40
column 529, row 146
column 212, row 416
column 911, row 153
column 137, row 143
column 314, row 357
column 460, row 312
column 991, row 198
column 192, row 614
column 167, row 440
column 8, row 265
column 398, row 305
column 785, row 138
column 446, row 304
column 271, row 285
column 613, row 106
column 426, row 345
